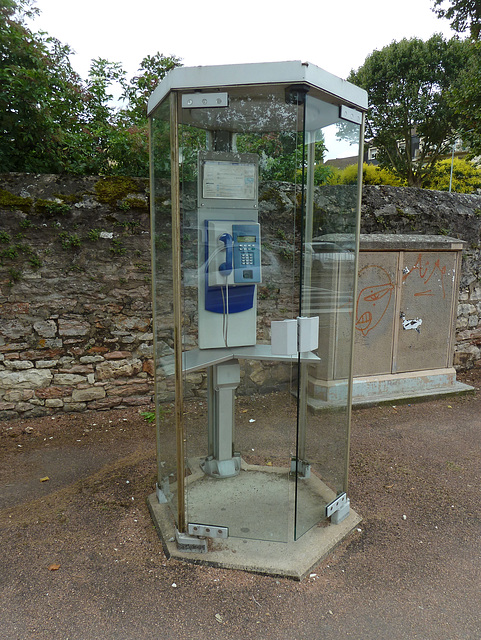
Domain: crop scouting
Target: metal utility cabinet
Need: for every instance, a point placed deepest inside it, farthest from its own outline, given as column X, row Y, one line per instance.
column 245, row 480
column 406, row 305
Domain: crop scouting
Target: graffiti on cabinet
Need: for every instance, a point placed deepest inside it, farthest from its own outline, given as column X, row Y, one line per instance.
column 375, row 297
column 424, row 272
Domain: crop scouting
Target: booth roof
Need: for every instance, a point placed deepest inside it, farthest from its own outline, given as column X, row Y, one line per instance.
column 264, row 73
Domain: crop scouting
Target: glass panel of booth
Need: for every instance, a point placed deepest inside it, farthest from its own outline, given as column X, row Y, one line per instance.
column 239, row 271
column 162, row 303
column 264, row 237
column 329, row 262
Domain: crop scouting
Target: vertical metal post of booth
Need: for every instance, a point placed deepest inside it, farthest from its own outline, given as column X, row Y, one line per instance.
column 354, row 297
column 306, row 301
column 176, row 265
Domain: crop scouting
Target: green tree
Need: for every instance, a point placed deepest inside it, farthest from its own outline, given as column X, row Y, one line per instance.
column 38, row 93
column 410, row 86
column 152, row 70
column 51, row 121
column 111, row 137
column 463, row 14
column 18, row 9
column 129, row 145
column 466, row 100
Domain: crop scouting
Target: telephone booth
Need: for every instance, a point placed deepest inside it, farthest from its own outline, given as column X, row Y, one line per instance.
column 254, row 262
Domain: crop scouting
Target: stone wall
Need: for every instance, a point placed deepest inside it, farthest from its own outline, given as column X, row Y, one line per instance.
column 75, row 312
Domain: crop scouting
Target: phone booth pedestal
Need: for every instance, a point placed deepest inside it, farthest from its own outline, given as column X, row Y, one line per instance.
column 248, row 476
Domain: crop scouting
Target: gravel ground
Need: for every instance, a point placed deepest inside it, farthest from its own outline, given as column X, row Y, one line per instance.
column 81, row 559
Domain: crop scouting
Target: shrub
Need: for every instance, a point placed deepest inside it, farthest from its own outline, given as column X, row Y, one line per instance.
column 371, row 174
column 466, row 176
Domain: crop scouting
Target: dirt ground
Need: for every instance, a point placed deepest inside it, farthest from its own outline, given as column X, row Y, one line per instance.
column 81, row 559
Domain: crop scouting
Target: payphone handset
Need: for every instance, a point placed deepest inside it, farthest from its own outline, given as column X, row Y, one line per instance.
column 233, row 254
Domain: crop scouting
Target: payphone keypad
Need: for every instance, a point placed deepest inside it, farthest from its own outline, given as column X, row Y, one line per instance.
column 247, row 254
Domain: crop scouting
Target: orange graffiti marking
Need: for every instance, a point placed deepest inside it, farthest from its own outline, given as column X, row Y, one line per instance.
column 373, row 301
column 429, row 292
column 421, row 267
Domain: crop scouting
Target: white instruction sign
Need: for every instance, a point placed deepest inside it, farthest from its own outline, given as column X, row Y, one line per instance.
column 230, row 180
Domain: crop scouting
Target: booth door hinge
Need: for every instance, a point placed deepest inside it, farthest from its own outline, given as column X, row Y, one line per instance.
column 301, row 467
column 205, row 100
column 207, row 530
column 338, row 509
column 190, row 544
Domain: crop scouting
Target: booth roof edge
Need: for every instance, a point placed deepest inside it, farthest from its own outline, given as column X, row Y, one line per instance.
column 204, row 77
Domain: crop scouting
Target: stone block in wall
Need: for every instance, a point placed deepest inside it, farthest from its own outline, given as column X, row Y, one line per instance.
column 18, row 365
column 136, row 401
column 29, row 379
column 54, row 392
column 42, row 354
column 13, row 329
column 145, row 350
column 10, row 347
column 45, row 328
column 81, row 369
column 132, row 324
column 125, row 390
column 469, row 336
column 476, row 292
column 149, row 367
column 466, row 356
column 257, row 373
column 68, row 379
column 105, row 403
column 91, row 359
column 97, row 350
column 67, row 327
column 74, row 406
column 54, row 403
column 117, row 355
column 85, row 395
column 118, row 369
column 466, row 309
column 23, row 407
column 19, row 395
column 46, row 364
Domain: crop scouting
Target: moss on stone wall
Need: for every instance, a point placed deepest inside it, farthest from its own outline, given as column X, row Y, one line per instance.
column 112, row 189
column 9, row 200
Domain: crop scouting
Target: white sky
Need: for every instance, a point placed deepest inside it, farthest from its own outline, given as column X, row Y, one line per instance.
column 336, row 36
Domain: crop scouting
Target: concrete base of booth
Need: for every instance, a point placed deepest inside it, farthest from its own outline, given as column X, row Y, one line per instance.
column 396, row 387
column 283, row 559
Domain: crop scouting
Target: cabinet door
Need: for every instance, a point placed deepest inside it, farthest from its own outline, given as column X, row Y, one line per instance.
column 375, row 312
column 425, row 318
